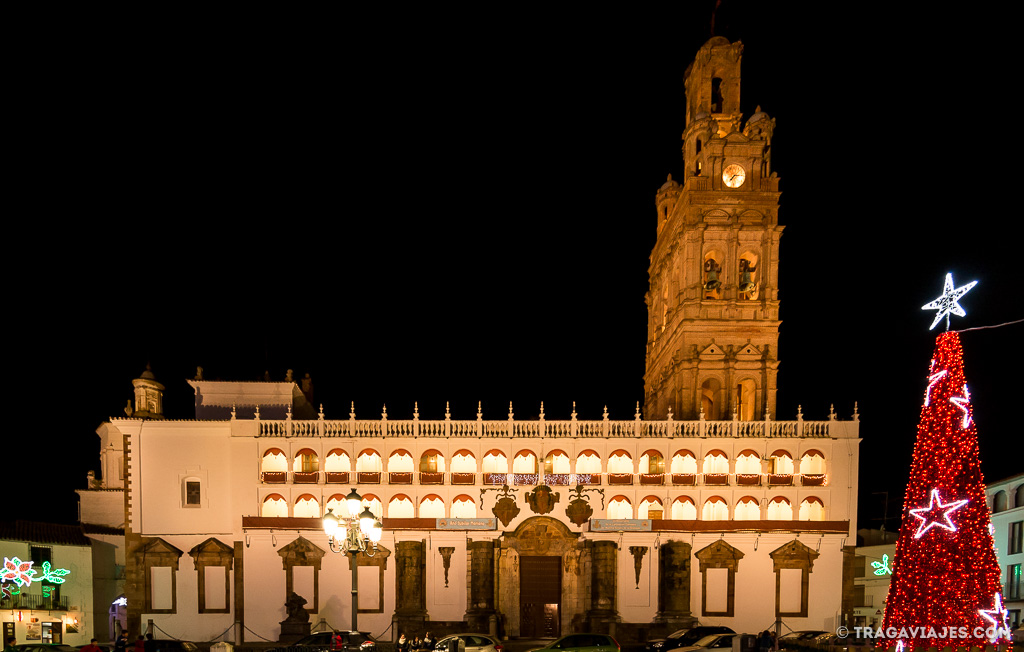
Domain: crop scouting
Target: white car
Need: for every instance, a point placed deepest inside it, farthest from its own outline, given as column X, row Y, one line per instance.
column 470, row 643
column 709, row 642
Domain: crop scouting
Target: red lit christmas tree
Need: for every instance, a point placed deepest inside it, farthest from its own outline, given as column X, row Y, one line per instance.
column 945, row 570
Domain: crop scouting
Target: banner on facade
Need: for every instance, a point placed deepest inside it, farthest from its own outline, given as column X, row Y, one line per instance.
column 467, row 524
column 620, row 525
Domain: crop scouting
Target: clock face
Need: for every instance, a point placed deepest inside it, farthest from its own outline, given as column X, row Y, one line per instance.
column 734, row 175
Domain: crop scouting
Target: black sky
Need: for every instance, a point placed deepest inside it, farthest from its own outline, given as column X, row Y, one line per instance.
column 452, row 207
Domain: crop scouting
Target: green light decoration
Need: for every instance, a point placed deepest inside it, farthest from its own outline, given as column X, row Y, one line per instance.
column 882, row 567
column 16, row 574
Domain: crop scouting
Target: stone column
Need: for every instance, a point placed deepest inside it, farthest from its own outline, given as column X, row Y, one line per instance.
column 410, row 588
column 674, row 585
column 481, row 586
column 602, row 614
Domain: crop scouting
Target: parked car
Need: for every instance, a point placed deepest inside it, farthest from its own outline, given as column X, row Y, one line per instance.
column 174, row 645
column 342, row 641
column 685, row 637
column 709, row 642
column 802, row 636
column 471, row 643
column 582, row 643
column 44, row 647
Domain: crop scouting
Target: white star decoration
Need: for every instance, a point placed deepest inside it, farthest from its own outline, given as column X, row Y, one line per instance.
column 899, row 646
column 928, row 517
column 932, row 380
column 963, row 402
column 947, row 303
column 997, row 615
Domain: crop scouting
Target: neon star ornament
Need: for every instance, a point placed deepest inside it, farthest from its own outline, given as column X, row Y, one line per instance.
column 964, row 403
column 998, row 616
column 936, row 514
column 947, row 304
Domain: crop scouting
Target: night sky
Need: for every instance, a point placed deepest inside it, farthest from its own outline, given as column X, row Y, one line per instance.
column 421, row 208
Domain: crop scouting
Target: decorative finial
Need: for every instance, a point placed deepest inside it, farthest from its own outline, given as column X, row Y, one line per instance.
column 605, row 416
column 832, row 412
column 542, row 409
column 321, row 411
column 415, row 410
column 669, row 177
column 573, row 410
column 384, row 412
column 799, row 412
column 233, row 412
column 447, row 412
column 669, row 418
column 510, row 410
column 289, row 412
column 856, row 415
column 947, row 303
column 637, row 415
column 257, row 412
column 479, row 410
column 352, row 411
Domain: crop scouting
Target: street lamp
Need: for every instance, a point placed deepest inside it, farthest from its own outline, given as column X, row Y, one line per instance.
column 358, row 532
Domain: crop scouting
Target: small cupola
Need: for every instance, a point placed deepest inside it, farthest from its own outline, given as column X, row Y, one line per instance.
column 149, row 396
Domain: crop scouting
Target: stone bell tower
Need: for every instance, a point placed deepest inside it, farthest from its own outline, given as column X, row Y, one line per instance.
column 713, row 302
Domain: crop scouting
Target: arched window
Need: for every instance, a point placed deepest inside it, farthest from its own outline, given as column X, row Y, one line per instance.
column 432, row 461
column 274, row 505
column 307, row 506
column 748, row 509
column 1019, row 496
column 372, row 503
column 369, row 461
column 748, row 276
column 463, row 462
column 588, row 462
column 999, row 502
column 748, row 462
column 684, row 462
column 401, row 507
column 650, row 507
column 620, row 462
column 432, row 507
column 524, row 462
column 305, row 461
column 746, row 391
column 812, row 463
column 463, row 507
column 710, row 399
column 495, row 462
column 715, row 509
column 812, row 509
column 717, row 97
column 716, row 462
column 652, row 462
column 620, row 507
column 782, row 463
column 684, row 509
column 274, row 460
column 713, row 275
column 337, row 461
column 556, row 462
column 400, row 461
column 336, row 503
column 779, row 509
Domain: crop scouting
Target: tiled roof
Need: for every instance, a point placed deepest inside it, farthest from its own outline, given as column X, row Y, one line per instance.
column 93, row 528
column 35, row 532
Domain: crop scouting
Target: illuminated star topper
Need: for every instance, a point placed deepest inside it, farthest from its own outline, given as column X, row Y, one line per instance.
column 936, row 514
column 947, row 303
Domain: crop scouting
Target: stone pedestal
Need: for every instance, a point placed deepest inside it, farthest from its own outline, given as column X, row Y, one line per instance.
column 410, row 588
column 292, row 631
column 481, row 614
column 674, row 585
column 602, row 615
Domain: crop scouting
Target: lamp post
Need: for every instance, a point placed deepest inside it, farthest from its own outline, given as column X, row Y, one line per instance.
column 355, row 533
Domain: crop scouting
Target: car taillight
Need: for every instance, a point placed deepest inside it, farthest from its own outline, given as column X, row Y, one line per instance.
column 616, row 643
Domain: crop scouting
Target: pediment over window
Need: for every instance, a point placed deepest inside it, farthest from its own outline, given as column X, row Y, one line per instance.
column 712, row 352
column 719, row 555
column 213, row 553
column 159, row 553
column 716, row 215
column 301, row 552
column 748, row 352
column 793, row 555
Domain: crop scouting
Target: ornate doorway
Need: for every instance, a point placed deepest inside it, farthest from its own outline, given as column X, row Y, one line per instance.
column 540, row 596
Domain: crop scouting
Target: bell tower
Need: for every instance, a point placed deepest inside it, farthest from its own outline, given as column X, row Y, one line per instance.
column 713, row 302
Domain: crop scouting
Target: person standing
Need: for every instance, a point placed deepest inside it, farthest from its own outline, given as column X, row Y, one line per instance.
column 428, row 642
column 91, row 647
column 402, row 645
column 121, row 644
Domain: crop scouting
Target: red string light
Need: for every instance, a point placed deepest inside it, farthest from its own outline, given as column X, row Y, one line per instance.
column 942, row 578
